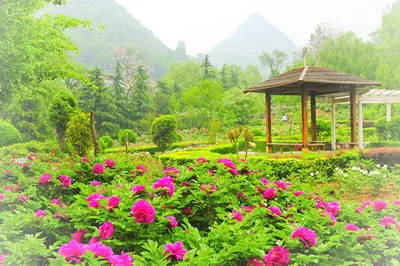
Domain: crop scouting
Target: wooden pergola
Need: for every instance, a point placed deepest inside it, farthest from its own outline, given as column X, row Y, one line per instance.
column 310, row 82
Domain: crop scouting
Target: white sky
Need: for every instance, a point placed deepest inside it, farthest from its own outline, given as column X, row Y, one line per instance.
column 203, row 23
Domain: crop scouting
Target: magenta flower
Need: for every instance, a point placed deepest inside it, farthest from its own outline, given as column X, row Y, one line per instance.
column 95, row 183
column 143, row 212
column 275, row 210
column 351, row 227
column 387, row 221
column 138, row 189
column 306, row 235
column 227, row 162
column 277, row 256
column 396, row 202
column 166, row 183
column 84, row 160
column 44, row 179
column 298, row 193
column 100, row 250
column 270, row 193
column 113, row 202
column 109, row 163
column 98, row 169
column 2, row 196
column 234, row 171
column 187, row 211
column 106, row 230
column 201, row 160
column 280, row 184
column 248, row 208
column 121, row 260
column 171, row 171
column 40, row 213
column 94, row 200
column 175, row 250
column 185, row 184
column 254, row 262
column 79, row 235
column 93, row 240
column 66, row 181
column 237, row 215
column 264, row 181
column 141, row 169
column 208, row 188
column 23, row 198
column 3, row 257
column 172, row 221
column 57, row 202
column 362, row 207
column 380, row 205
column 72, row 251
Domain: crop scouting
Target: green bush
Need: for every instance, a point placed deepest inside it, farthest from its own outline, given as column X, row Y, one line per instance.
column 106, row 142
column 126, row 135
column 8, row 134
column 163, row 131
column 79, row 133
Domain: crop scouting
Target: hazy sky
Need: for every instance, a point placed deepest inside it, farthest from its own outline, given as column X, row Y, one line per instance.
column 203, row 23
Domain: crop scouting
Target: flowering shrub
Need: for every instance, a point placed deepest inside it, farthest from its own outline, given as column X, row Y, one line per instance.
column 201, row 213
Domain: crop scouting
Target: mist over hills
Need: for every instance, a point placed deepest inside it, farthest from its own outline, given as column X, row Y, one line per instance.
column 114, row 28
column 252, row 37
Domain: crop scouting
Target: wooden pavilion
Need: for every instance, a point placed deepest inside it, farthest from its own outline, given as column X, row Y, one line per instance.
column 311, row 82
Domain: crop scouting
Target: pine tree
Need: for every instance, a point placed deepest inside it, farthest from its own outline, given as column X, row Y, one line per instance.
column 208, row 72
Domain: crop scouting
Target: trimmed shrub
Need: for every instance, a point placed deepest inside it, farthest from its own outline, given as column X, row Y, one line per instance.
column 8, row 134
column 106, row 142
column 388, row 156
column 163, row 131
column 126, row 135
column 79, row 133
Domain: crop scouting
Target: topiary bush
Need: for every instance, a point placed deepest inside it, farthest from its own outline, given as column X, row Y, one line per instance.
column 125, row 136
column 79, row 133
column 106, row 142
column 8, row 134
column 163, row 131
column 388, row 156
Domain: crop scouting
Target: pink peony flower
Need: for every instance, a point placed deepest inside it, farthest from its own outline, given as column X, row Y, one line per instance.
column 333, row 207
column 187, row 210
column 121, row 260
column 44, row 179
column 237, row 215
column 23, row 198
column 113, row 202
column 72, row 251
column 56, row 201
column 175, row 250
column 277, row 256
column 93, row 240
column 171, row 171
column 185, row 184
column 106, row 230
column 280, row 184
column 227, row 162
column 141, row 169
column 98, row 169
column 138, row 189
column 351, row 227
column 208, row 188
column 100, row 250
column 298, row 193
column 66, row 181
column 166, row 183
column 109, row 163
column 387, row 221
column 254, row 262
column 248, row 208
column 2, row 196
column 362, row 207
column 9, row 188
column 211, row 172
column 94, row 200
column 143, row 212
column 79, row 235
column 234, row 171
column 40, row 213
column 306, row 235
column 201, row 160
column 396, row 202
column 275, row 210
column 270, row 193
column 3, row 257
column 264, row 181
column 380, row 205
column 84, row 160
column 172, row 221
column 95, row 183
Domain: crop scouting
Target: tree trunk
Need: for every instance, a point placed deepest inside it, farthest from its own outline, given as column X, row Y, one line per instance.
column 94, row 134
column 61, row 141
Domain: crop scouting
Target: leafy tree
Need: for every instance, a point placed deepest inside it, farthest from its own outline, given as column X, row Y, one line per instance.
column 8, row 134
column 163, row 131
column 182, row 76
column 208, row 72
column 61, row 109
column 126, row 136
column 106, row 142
column 274, row 61
column 79, row 133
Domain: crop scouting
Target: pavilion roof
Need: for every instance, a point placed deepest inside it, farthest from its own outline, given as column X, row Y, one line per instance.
column 318, row 80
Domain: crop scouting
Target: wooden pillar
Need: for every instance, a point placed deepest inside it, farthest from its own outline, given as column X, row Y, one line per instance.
column 268, row 122
column 304, row 118
column 352, row 114
column 360, row 125
column 333, row 125
column 388, row 112
column 313, row 119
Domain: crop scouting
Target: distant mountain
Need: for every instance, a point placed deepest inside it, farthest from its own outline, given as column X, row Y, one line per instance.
column 98, row 45
column 245, row 45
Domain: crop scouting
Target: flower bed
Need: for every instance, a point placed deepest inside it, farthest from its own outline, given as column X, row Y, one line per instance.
column 103, row 212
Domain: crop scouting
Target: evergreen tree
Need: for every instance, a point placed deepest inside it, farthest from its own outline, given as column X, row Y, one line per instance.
column 224, row 79
column 208, row 72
